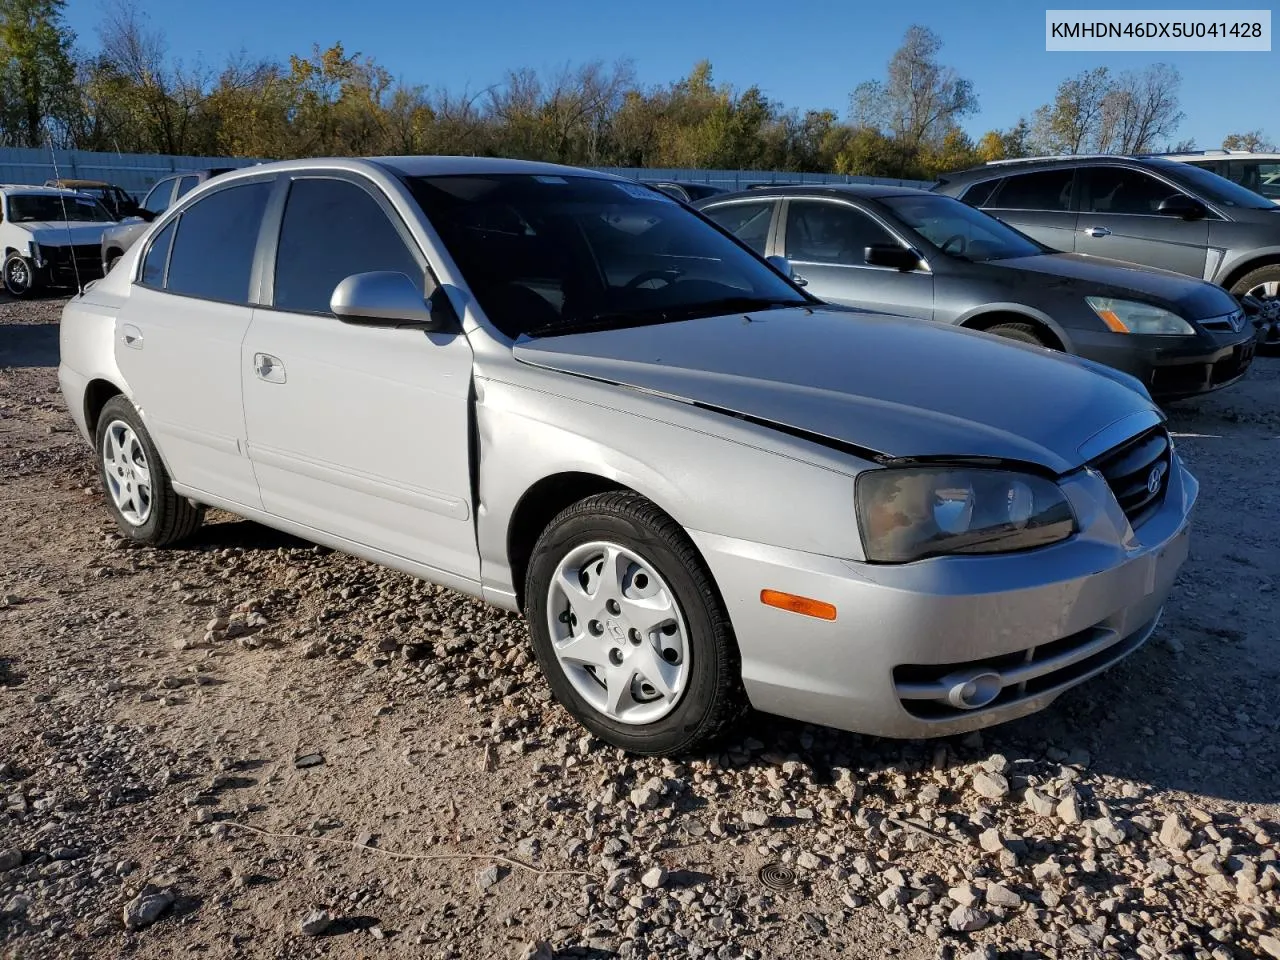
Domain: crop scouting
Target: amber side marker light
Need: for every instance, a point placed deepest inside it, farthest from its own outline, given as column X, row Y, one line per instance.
column 1111, row 320
column 795, row 604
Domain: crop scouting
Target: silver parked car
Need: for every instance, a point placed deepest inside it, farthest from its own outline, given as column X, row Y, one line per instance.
column 571, row 396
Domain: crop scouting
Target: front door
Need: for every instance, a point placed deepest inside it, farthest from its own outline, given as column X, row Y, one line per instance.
column 362, row 432
column 826, row 240
column 1119, row 219
column 179, row 333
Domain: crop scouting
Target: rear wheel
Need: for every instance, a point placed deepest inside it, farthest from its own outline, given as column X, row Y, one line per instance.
column 139, row 495
column 629, row 629
column 1021, row 332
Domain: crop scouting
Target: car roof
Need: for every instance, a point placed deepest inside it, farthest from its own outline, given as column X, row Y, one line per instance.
column 1005, row 168
column 866, row 191
column 1218, row 155
column 445, row 166
column 32, row 190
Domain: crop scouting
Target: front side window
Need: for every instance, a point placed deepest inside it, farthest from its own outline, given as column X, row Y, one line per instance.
column 185, row 186
column 555, row 254
column 1123, row 190
column 749, row 222
column 160, row 196
column 216, row 239
column 1044, row 190
column 819, row 231
column 331, row 230
column 56, row 208
column 959, row 230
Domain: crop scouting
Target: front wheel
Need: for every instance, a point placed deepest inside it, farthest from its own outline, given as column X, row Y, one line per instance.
column 629, row 629
column 19, row 277
column 139, row 495
column 1020, row 332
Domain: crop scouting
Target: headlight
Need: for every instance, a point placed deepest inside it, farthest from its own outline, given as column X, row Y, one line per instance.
column 1130, row 316
column 909, row 513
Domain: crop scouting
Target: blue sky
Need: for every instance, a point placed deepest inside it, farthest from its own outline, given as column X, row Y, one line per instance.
column 803, row 53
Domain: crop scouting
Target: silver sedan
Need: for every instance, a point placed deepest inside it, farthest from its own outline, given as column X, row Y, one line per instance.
column 573, row 397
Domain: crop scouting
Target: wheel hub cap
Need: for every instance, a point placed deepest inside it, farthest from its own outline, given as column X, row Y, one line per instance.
column 127, row 473
column 618, row 633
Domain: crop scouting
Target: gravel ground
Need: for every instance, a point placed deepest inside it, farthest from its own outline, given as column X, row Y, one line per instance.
column 252, row 747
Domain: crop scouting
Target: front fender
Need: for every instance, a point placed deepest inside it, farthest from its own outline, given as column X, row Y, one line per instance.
column 1017, row 309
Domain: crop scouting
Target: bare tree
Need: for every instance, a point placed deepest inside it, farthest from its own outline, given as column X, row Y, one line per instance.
column 1073, row 122
column 1255, row 141
column 1140, row 109
column 920, row 100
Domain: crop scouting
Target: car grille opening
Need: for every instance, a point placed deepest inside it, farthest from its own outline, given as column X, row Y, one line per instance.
column 64, row 270
column 1137, row 472
column 928, row 691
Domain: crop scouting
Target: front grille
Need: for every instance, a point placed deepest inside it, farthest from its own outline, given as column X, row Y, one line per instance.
column 1230, row 323
column 1137, row 472
column 87, row 264
column 926, row 691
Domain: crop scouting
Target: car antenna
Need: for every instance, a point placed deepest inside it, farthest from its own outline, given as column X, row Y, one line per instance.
column 62, row 198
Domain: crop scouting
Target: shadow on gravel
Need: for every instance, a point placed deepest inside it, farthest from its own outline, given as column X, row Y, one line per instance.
column 29, row 345
column 240, row 534
column 9, row 677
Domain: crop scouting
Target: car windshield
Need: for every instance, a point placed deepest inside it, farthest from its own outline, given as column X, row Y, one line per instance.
column 35, row 207
column 546, row 255
column 959, row 230
column 1217, row 189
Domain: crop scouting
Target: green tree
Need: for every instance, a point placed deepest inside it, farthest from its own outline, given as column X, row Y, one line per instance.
column 1255, row 141
column 40, row 95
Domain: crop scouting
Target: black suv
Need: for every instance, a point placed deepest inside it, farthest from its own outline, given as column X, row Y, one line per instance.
column 1146, row 210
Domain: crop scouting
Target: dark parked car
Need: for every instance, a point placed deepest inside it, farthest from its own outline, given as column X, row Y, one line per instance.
column 166, row 191
column 685, row 192
column 915, row 253
column 114, row 198
column 1148, row 210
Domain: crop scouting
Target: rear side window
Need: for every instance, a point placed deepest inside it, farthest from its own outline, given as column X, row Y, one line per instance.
column 822, row 232
column 978, row 194
column 1122, row 190
column 158, row 257
column 332, row 229
column 749, row 222
column 1043, row 190
column 215, row 243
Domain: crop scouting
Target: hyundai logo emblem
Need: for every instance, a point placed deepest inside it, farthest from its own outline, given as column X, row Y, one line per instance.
column 1154, row 478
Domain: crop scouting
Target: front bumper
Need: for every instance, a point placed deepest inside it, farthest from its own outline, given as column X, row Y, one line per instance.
column 1040, row 621
column 1174, row 367
column 68, row 266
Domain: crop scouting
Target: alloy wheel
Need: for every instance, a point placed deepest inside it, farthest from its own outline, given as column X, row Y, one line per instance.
column 128, row 475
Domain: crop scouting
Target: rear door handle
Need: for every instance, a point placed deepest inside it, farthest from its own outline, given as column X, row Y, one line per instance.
column 1097, row 232
column 268, row 368
column 131, row 336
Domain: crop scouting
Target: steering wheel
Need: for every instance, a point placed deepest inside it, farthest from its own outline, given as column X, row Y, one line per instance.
column 668, row 276
column 957, row 238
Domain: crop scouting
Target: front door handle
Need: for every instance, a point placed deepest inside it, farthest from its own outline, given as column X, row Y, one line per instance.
column 1097, row 232
column 131, row 336
column 268, row 368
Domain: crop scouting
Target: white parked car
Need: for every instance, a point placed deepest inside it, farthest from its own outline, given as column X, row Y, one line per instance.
column 1259, row 172
column 50, row 237
column 570, row 395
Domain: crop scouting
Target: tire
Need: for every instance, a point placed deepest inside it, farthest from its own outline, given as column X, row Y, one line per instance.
column 125, row 454
column 19, row 275
column 657, row 557
column 1021, row 332
column 112, row 259
column 1269, row 274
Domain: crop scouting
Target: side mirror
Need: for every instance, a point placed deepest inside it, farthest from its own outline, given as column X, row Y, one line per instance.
column 1181, row 205
column 892, row 255
column 783, row 266
column 384, row 298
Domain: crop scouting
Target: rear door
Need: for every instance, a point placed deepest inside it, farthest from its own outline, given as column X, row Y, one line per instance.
column 359, row 431
column 1038, row 203
column 1119, row 220
column 179, row 333
column 825, row 240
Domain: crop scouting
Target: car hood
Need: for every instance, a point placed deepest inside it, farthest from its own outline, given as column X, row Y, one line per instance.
column 889, row 387
column 51, row 233
column 1097, row 276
